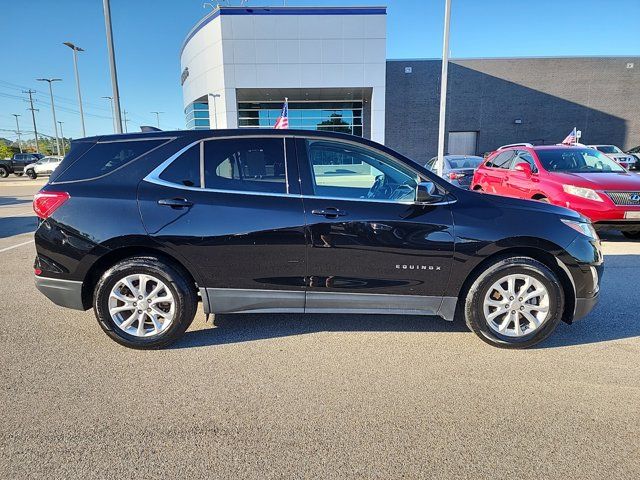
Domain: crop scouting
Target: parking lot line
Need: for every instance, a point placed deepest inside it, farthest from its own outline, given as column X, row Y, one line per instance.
column 16, row 246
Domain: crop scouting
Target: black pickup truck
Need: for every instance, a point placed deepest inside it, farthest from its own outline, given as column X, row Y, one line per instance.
column 17, row 163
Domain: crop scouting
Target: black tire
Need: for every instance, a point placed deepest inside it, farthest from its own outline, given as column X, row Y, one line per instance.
column 635, row 235
column 32, row 174
column 4, row 171
column 18, row 174
column 474, row 302
column 182, row 289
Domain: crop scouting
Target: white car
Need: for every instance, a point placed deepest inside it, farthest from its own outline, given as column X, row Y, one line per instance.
column 44, row 166
column 614, row 153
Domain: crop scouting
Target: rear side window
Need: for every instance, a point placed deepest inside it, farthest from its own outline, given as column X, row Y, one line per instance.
column 501, row 160
column 245, row 164
column 184, row 170
column 106, row 157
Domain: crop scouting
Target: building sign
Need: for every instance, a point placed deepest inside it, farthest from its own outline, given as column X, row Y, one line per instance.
column 184, row 76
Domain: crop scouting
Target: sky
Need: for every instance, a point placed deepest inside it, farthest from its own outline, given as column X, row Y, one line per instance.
column 148, row 36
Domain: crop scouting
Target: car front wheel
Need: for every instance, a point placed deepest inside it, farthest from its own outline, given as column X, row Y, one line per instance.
column 144, row 302
column 515, row 303
column 32, row 174
column 4, row 172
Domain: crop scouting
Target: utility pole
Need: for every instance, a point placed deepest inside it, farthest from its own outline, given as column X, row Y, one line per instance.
column 77, row 49
column 53, row 107
column 62, row 135
column 113, row 115
column 18, row 130
column 157, row 118
column 33, row 115
column 443, row 87
column 125, row 120
column 112, row 64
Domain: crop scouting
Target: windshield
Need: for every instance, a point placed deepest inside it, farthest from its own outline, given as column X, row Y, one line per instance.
column 577, row 160
column 462, row 162
column 609, row 149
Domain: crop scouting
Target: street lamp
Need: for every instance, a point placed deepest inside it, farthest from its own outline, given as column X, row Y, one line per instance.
column 112, row 64
column 215, row 108
column 77, row 49
column 62, row 136
column 18, row 131
column 157, row 118
column 113, row 116
column 53, row 107
column 443, row 88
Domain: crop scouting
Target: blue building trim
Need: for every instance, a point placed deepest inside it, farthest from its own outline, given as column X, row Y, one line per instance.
column 281, row 11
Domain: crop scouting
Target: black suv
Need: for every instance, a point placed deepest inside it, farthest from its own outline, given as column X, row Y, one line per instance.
column 142, row 227
column 17, row 163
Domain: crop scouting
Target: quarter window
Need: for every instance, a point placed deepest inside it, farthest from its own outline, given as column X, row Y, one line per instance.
column 245, row 164
column 184, row 170
column 344, row 170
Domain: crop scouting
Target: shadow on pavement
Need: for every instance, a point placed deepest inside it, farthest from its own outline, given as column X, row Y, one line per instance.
column 238, row 328
column 14, row 200
column 10, row 226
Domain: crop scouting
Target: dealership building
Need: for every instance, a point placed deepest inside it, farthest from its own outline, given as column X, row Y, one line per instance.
column 239, row 64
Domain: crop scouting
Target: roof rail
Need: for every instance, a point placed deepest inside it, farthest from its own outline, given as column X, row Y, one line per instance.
column 515, row 145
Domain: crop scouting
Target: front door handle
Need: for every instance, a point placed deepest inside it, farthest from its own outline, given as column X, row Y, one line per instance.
column 329, row 212
column 175, row 202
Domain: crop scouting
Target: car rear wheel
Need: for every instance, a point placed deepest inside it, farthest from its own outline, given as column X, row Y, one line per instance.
column 144, row 302
column 32, row 174
column 635, row 235
column 18, row 174
column 516, row 303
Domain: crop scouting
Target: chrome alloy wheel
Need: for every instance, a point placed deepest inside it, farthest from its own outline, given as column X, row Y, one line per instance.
column 516, row 305
column 141, row 305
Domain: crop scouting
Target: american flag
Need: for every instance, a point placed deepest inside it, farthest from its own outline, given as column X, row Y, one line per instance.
column 283, row 119
column 572, row 138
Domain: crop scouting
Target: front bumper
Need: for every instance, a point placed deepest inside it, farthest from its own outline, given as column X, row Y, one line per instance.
column 66, row 293
column 584, row 306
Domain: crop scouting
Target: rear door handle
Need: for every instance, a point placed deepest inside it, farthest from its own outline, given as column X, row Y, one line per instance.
column 175, row 202
column 329, row 212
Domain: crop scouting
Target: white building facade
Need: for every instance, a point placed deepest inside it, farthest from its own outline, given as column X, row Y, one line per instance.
column 239, row 64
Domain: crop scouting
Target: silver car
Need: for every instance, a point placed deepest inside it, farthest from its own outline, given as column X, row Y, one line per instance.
column 628, row 161
column 458, row 169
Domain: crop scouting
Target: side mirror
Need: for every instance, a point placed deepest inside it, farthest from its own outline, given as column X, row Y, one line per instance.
column 425, row 192
column 524, row 168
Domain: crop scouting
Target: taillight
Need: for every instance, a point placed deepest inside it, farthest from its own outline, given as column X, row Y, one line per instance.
column 45, row 203
column 455, row 176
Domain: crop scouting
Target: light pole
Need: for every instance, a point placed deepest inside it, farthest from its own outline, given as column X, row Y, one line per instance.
column 157, row 118
column 112, row 65
column 215, row 108
column 77, row 49
column 62, row 136
column 53, row 107
column 18, row 131
column 443, row 87
column 125, row 120
column 113, row 116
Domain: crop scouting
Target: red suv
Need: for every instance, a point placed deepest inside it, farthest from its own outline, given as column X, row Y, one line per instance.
column 579, row 178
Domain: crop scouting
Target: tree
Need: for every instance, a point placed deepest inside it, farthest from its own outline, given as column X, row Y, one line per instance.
column 5, row 150
column 335, row 124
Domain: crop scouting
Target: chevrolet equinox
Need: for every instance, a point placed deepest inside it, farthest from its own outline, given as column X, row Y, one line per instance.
column 142, row 227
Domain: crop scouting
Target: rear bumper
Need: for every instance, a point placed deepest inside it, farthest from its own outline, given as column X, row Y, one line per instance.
column 584, row 306
column 66, row 293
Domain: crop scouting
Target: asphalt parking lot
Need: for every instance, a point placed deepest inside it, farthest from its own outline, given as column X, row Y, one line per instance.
column 317, row 396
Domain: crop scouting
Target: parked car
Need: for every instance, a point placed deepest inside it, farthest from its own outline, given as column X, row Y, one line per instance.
column 143, row 226
column 17, row 163
column 613, row 152
column 635, row 151
column 44, row 166
column 458, row 169
column 579, row 178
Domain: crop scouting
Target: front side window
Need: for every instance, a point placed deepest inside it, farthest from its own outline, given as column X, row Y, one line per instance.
column 524, row 157
column 501, row 160
column 344, row 170
column 577, row 160
column 245, row 164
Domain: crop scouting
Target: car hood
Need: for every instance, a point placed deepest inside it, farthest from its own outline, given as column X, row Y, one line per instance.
column 531, row 205
column 601, row 181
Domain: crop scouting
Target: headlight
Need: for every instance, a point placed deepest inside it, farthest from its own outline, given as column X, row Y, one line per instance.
column 582, row 192
column 584, row 228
